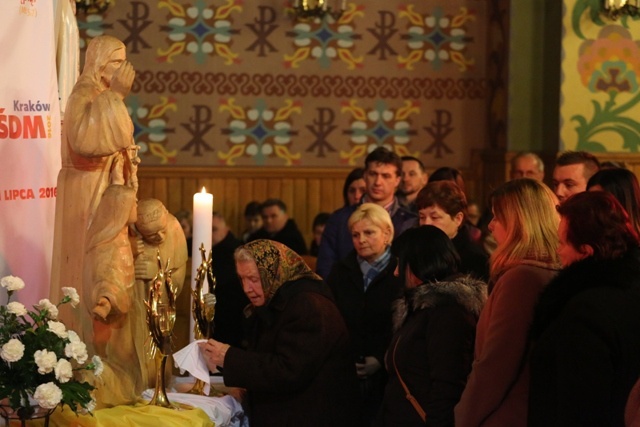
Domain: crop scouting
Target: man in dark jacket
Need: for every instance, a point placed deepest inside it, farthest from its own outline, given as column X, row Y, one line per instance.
column 229, row 319
column 276, row 225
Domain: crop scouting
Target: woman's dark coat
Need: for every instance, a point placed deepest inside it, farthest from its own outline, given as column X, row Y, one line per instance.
column 298, row 369
column 367, row 314
column 586, row 352
column 368, row 318
column 435, row 335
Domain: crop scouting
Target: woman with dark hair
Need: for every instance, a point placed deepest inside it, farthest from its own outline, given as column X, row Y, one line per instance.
column 431, row 352
column 317, row 227
column 586, row 329
column 524, row 224
column 623, row 184
column 354, row 187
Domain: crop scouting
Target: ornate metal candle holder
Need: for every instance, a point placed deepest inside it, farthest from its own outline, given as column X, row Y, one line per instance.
column 204, row 308
column 161, row 317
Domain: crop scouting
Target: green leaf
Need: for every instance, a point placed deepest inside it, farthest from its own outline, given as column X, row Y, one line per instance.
column 592, row 146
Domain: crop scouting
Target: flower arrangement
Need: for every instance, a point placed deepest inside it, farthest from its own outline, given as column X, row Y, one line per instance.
column 40, row 359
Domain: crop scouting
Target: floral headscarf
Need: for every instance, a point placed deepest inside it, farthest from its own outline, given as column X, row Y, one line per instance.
column 277, row 264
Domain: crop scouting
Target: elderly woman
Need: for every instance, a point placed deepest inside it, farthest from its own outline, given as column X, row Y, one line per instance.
column 443, row 204
column 297, row 369
column 364, row 286
column 431, row 352
column 525, row 224
column 586, row 355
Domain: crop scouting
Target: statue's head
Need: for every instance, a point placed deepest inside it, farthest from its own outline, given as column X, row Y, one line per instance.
column 152, row 220
column 105, row 54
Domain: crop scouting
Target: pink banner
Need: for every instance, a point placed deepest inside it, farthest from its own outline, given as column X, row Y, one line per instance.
column 29, row 144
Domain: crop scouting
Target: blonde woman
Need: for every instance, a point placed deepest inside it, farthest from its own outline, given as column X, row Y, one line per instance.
column 525, row 227
column 364, row 286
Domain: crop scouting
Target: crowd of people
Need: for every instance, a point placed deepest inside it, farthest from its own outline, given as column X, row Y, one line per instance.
column 416, row 315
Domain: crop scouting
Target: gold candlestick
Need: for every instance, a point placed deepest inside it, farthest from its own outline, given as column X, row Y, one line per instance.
column 204, row 308
column 161, row 317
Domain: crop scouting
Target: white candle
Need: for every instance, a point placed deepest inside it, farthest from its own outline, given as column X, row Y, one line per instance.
column 201, row 234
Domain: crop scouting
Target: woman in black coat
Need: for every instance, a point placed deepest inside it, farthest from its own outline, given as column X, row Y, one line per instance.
column 364, row 287
column 586, row 329
column 431, row 352
column 298, row 369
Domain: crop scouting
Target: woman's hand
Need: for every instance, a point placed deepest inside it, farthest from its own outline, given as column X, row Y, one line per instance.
column 213, row 352
column 368, row 368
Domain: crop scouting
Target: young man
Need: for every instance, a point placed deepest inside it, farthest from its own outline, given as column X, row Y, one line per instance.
column 572, row 172
column 276, row 225
column 382, row 177
column 414, row 177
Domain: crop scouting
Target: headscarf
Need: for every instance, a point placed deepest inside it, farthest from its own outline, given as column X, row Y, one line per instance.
column 277, row 264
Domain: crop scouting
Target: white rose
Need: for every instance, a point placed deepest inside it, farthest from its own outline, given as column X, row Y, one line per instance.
column 63, row 370
column 77, row 350
column 73, row 337
column 12, row 351
column 57, row 328
column 48, row 395
column 16, row 308
column 45, row 304
column 99, row 366
column 46, row 361
column 12, row 283
column 72, row 294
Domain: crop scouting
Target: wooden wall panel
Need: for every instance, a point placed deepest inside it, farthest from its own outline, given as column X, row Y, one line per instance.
column 306, row 192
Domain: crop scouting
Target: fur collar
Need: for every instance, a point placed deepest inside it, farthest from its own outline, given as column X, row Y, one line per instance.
column 581, row 276
column 464, row 290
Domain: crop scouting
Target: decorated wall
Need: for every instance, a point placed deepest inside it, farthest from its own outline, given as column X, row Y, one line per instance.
column 242, row 83
column 600, row 109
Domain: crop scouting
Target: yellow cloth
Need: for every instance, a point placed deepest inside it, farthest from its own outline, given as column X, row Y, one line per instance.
column 140, row 415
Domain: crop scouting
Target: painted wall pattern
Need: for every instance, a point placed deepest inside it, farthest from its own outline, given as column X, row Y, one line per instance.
column 600, row 89
column 231, row 82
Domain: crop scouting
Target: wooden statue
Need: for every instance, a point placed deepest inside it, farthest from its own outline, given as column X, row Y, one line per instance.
column 96, row 195
column 96, row 130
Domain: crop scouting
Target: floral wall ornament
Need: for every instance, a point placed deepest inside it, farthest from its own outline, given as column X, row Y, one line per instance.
column 259, row 132
column 199, row 31
column 150, row 127
column 40, row 360
column 326, row 40
column 378, row 127
column 436, row 38
column 610, row 65
column 594, row 9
